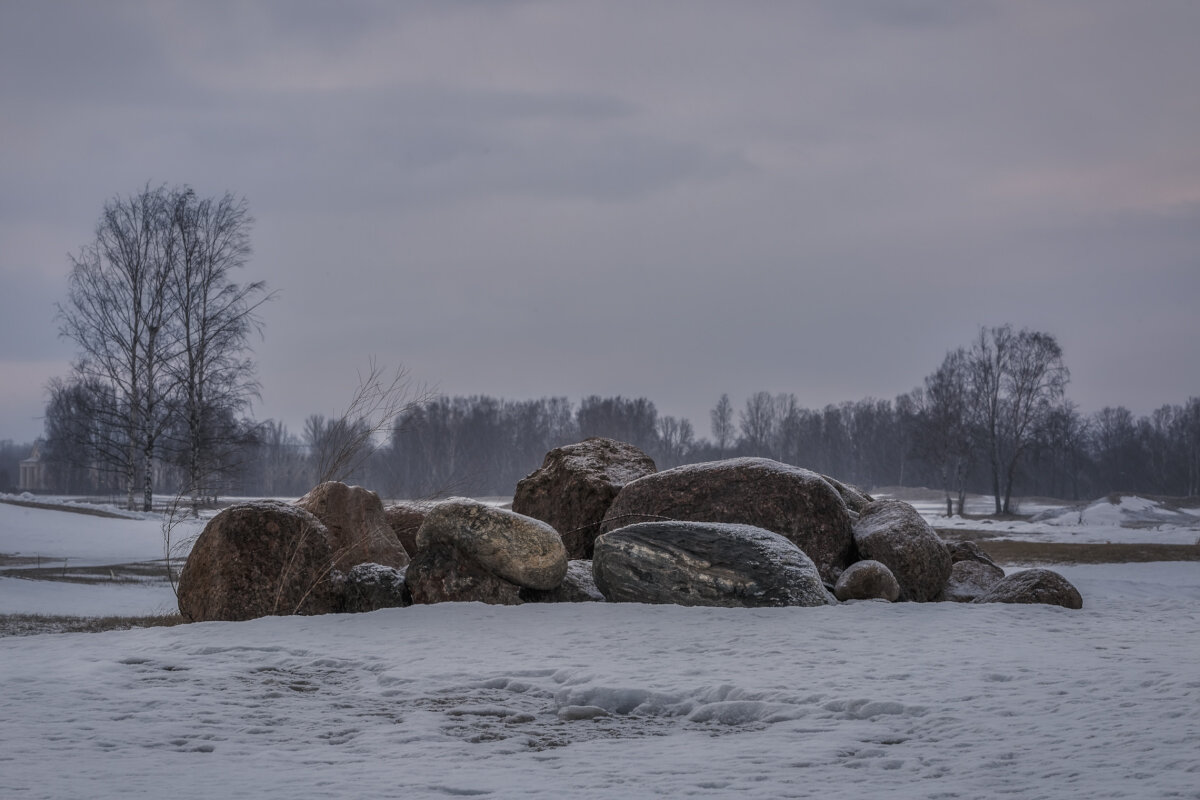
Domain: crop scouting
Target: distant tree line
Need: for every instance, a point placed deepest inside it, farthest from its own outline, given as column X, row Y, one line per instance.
column 164, row 404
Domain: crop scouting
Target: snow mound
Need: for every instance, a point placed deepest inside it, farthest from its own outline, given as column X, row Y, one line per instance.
column 1127, row 511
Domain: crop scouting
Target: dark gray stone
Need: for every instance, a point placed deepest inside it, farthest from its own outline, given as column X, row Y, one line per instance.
column 370, row 587
column 705, row 564
column 579, row 586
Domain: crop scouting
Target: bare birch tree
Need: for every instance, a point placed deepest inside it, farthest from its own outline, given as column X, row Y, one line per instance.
column 214, row 318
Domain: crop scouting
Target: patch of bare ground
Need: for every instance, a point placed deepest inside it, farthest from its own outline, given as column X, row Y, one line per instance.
column 1012, row 552
column 33, row 624
column 47, row 569
column 91, row 512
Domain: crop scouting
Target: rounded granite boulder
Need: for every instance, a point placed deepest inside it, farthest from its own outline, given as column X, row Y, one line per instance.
column 795, row 503
column 705, row 564
column 891, row 531
column 576, row 484
column 470, row 551
column 358, row 527
column 1034, row 586
column 258, row 559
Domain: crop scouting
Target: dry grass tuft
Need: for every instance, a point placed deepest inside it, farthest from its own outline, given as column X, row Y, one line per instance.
column 32, row 624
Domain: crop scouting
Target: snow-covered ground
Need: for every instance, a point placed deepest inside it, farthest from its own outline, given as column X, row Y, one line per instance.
column 619, row 701
column 1130, row 519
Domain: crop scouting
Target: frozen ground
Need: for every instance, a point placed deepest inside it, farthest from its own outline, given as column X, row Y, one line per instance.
column 597, row 700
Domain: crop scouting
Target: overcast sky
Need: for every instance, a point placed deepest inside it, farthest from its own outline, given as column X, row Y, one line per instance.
column 668, row 199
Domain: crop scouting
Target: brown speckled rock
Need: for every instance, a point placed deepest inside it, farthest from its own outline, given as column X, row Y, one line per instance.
column 258, row 559
column 854, row 497
column 969, row 551
column 576, row 484
column 357, row 526
column 795, row 503
column 1034, row 586
column 867, row 580
column 891, row 531
column 405, row 519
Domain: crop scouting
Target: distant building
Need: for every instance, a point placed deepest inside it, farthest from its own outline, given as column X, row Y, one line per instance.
column 33, row 472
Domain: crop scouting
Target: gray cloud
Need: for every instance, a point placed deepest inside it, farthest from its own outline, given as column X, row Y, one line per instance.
column 674, row 200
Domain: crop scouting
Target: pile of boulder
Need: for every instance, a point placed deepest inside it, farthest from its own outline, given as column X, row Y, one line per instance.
column 596, row 522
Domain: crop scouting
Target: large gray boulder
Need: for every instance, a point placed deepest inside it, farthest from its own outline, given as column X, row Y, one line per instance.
column 1034, row 586
column 469, row 551
column 258, row 559
column 867, row 580
column 795, row 503
column 892, row 532
column 576, row 484
column 969, row 580
column 705, row 564
column 357, row 525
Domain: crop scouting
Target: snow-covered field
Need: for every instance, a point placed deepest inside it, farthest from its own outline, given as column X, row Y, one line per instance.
column 599, row 700
column 1131, row 519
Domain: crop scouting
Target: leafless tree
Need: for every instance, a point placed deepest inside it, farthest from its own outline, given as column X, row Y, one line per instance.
column 341, row 446
column 722, row 424
column 214, row 317
column 1016, row 378
column 758, row 422
column 118, row 314
column 944, row 408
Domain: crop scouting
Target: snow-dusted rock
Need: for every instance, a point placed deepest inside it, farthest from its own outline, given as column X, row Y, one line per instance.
column 358, row 528
column 705, row 564
column 867, row 580
column 969, row 551
column 969, row 580
column 257, row 559
column 893, row 532
column 470, row 551
column 370, row 587
column 575, row 486
column 405, row 518
column 579, row 586
column 1034, row 586
column 853, row 497
column 797, row 504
